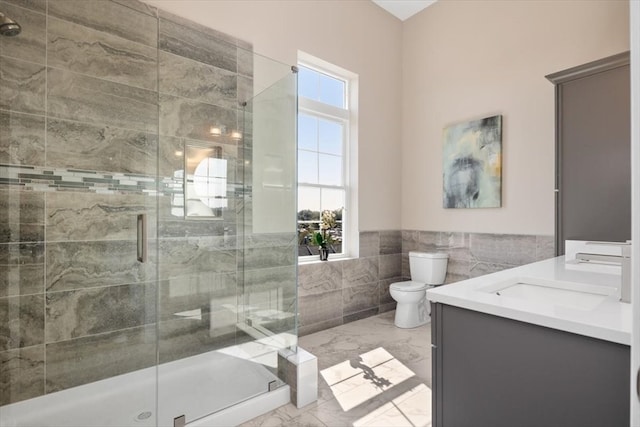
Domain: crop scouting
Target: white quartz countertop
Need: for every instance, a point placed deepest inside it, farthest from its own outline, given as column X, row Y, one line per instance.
column 607, row 318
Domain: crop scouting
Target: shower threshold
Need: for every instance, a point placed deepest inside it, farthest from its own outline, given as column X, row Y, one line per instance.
column 231, row 389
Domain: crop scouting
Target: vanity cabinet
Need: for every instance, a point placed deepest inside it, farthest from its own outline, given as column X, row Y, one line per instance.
column 493, row 371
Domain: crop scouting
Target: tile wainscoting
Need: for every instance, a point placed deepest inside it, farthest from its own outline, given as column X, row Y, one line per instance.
column 341, row 291
column 336, row 292
column 476, row 254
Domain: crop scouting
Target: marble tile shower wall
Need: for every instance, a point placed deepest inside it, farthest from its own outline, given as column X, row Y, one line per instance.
column 97, row 98
column 337, row 292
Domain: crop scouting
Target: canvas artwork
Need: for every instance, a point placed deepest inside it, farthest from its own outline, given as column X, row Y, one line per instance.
column 472, row 164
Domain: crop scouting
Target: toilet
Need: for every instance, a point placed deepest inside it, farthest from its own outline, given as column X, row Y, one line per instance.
column 427, row 270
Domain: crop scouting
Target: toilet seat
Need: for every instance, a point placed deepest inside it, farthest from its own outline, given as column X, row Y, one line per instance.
column 409, row 286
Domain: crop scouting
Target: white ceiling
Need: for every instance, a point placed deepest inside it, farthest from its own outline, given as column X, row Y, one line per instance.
column 403, row 9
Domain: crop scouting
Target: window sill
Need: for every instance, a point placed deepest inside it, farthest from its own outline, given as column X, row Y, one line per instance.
column 316, row 259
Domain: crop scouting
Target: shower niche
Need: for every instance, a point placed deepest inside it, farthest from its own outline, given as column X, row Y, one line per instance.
column 205, row 182
column 113, row 111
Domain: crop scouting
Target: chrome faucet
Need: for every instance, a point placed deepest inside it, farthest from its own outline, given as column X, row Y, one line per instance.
column 624, row 259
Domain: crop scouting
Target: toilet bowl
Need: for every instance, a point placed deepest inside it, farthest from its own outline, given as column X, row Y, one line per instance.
column 427, row 270
column 412, row 309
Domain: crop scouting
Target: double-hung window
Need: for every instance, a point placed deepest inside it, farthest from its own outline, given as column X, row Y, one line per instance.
column 323, row 159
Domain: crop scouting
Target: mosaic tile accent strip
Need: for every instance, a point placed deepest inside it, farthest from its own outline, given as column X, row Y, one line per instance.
column 50, row 179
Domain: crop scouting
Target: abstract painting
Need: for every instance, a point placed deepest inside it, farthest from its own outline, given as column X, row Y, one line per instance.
column 472, row 164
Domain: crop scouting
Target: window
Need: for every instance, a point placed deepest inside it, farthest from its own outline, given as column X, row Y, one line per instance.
column 324, row 143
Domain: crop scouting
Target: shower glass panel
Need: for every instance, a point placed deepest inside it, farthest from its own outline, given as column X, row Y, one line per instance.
column 227, row 283
column 147, row 229
column 269, row 246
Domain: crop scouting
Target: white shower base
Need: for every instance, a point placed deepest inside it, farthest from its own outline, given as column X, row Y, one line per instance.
column 194, row 387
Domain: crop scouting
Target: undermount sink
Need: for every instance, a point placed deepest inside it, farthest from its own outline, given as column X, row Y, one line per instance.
column 564, row 294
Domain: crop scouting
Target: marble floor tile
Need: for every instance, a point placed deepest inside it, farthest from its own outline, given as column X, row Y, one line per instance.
column 357, row 360
column 342, row 371
column 332, row 414
column 369, row 382
column 276, row 419
column 405, row 410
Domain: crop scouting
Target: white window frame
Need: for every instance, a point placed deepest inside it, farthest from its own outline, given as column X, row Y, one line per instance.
column 348, row 117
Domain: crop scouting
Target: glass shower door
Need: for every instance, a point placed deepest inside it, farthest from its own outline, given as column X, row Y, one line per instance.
column 147, row 265
column 78, row 160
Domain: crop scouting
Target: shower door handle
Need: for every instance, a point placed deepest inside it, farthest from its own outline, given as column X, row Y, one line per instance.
column 142, row 238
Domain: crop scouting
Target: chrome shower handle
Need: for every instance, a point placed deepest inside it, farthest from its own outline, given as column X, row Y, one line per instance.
column 142, row 238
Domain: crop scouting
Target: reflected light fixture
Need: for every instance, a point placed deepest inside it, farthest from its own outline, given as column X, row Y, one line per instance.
column 222, row 131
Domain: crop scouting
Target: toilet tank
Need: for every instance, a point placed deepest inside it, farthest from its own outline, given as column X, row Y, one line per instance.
column 429, row 268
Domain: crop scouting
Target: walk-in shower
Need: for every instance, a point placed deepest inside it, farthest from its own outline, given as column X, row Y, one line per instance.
column 147, row 219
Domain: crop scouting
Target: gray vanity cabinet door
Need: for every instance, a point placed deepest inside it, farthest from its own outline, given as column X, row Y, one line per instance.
column 495, row 372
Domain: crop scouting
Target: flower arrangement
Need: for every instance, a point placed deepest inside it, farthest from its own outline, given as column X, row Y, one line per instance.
column 322, row 238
